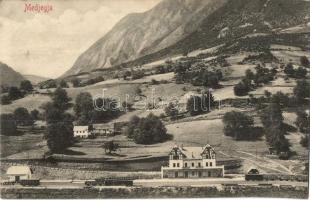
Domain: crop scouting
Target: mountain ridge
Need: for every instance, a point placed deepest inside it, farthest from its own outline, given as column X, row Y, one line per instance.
column 223, row 21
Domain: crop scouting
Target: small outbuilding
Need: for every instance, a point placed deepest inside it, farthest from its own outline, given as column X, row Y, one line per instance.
column 17, row 173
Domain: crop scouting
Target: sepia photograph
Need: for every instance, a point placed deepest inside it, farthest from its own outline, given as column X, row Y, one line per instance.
column 135, row 99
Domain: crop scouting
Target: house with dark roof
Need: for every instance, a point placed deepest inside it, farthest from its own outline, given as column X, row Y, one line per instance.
column 192, row 162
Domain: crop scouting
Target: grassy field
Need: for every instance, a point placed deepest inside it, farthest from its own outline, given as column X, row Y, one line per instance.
column 30, row 102
column 22, row 145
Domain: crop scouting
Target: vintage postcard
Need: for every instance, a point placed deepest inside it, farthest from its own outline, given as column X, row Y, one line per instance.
column 154, row 98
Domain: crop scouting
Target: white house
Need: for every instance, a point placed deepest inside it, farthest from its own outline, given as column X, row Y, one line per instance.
column 81, row 131
column 192, row 162
column 16, row 173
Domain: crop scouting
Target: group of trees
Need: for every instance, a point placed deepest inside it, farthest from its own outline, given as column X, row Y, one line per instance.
column 303, row 124
column 199, row 104
column 148, row 130
column 300, row 72
column 200, row 77
column 87, row 111
column 274, row 128
column 20, row 117
column 15, row 93
column 253, row 80
column 59, row 132
column 240, row 126
column 51, row 83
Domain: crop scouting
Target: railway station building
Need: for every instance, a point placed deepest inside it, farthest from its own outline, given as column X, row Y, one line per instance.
column 192, row 162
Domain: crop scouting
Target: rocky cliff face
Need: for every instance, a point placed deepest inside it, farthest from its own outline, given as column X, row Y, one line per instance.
column 144, row 33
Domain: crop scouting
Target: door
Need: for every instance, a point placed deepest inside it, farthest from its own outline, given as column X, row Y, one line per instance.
column 17, row 178
column 186, row 174
column 176, row 174
column 199, row 174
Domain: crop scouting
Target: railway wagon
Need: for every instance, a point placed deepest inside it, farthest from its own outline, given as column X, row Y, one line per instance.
column 254, row 177
column 30, row 182
column 110, row 182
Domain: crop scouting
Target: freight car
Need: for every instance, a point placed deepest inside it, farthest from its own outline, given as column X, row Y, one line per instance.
column 29, row 182
column 120, row 181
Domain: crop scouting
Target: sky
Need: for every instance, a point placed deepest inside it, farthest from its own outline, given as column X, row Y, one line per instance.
column 47, row 44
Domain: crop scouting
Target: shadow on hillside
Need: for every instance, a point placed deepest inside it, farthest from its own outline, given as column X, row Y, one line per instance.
column 116, row 154
column 71, row 152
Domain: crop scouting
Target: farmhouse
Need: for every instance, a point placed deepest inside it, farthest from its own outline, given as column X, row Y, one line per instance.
column 17, row 173
column 192, row 162
column 81, row 131
column 103, row 129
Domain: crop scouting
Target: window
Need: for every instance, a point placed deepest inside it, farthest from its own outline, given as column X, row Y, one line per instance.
column 199, row 174
column 209, row 174
column 176, row 174
column 207, row 164
column 210, row 164
column 193, row 173
column 193, row 164
column 173, row 164
column 185, row 164
column 199, row 164
column 178, row 165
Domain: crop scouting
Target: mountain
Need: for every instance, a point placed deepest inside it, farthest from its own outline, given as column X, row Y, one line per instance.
column 179, row 26
column 140, row 34
column 9, row 77
column 34, row 79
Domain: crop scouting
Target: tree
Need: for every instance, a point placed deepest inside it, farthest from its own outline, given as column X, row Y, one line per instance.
column 172, row 110
column 35, row 114
column 7, row 124
column 59, row 136
column 5, row 100
column 133, row 123
column 304, row 141
column 289, row 69
column 249, row 74
column 22, row 117
column 147, row 130
column 280, row 99
column 63, row 84
column 26, row 85
column 76, row 82
column 199, row 104
column 15, row 93
column 60, row 99
column 301, row 91
column 304, row 61
column 59, row 132
column 241, row 89
column 110, row 146
column 303, row 121
column 238, row 125
column 272, row 121
column 83, row 108
column 300, row 72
